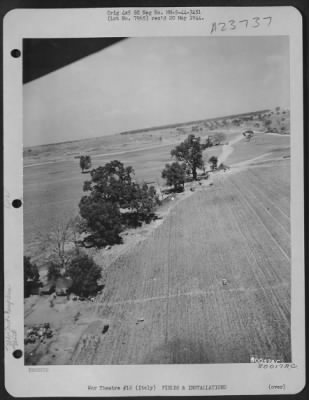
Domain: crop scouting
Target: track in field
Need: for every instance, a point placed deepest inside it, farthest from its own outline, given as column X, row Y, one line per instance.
column 165, row 301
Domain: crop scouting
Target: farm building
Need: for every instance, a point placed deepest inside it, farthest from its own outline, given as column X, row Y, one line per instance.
column 62, row 286
column 48, row 288
column 213, row 140
column 248, row 133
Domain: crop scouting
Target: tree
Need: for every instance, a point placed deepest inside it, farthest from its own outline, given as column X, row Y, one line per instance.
column 213, row 161
column 31, row 271
column 85, row 163
column 175, row 175
column 103, row 223
column 31, row 275
column 142, row 204
column 190, row 152
column 268, row 123
column 219, row 137
column 85, row 274
column 114, row 201
column 61, row 238
column 54, row 271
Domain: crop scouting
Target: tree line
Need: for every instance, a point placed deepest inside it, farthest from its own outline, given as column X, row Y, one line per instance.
column 114, row 201
column 189, row 158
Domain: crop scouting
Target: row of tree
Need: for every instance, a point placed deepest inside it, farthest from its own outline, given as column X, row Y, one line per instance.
column 85, row 161
column 189, row 156
column 114, row 201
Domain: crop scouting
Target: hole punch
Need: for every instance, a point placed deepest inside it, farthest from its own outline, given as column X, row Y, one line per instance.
column 17, row 353
column 15, row 53
column 16, row 203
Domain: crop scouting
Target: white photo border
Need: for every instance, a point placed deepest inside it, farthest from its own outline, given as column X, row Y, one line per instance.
column 68, row 380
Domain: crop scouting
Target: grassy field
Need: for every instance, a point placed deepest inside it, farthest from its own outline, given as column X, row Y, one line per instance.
column 53, row 191
column 259, row 145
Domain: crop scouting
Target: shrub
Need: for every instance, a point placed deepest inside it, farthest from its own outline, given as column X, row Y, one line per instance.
column 54, row 271
column 213, row 161
column 175, row 175
column 85, row 162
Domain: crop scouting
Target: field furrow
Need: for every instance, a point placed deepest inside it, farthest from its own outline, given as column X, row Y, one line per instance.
column 272, row 225
column 278, row 187
column 210, row 285
column 266, row 199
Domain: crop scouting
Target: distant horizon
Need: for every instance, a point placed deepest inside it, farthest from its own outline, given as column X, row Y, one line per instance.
column 152, row 128
column 140, row 83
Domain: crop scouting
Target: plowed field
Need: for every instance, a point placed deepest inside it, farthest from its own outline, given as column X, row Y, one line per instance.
column 210, row 285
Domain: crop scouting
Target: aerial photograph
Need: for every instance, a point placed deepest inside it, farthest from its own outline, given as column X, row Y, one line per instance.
column 156, row 192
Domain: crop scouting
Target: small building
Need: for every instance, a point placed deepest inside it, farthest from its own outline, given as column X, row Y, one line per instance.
column 248, row 134
column 49, row 288
column 63, row 286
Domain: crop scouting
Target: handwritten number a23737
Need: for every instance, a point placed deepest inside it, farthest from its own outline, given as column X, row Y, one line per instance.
column 232, row 24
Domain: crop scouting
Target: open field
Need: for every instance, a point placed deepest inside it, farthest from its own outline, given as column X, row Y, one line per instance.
column 164, row 300
column 239, row 231
column 208, row 282
column 54, row 189
column 259, row 145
